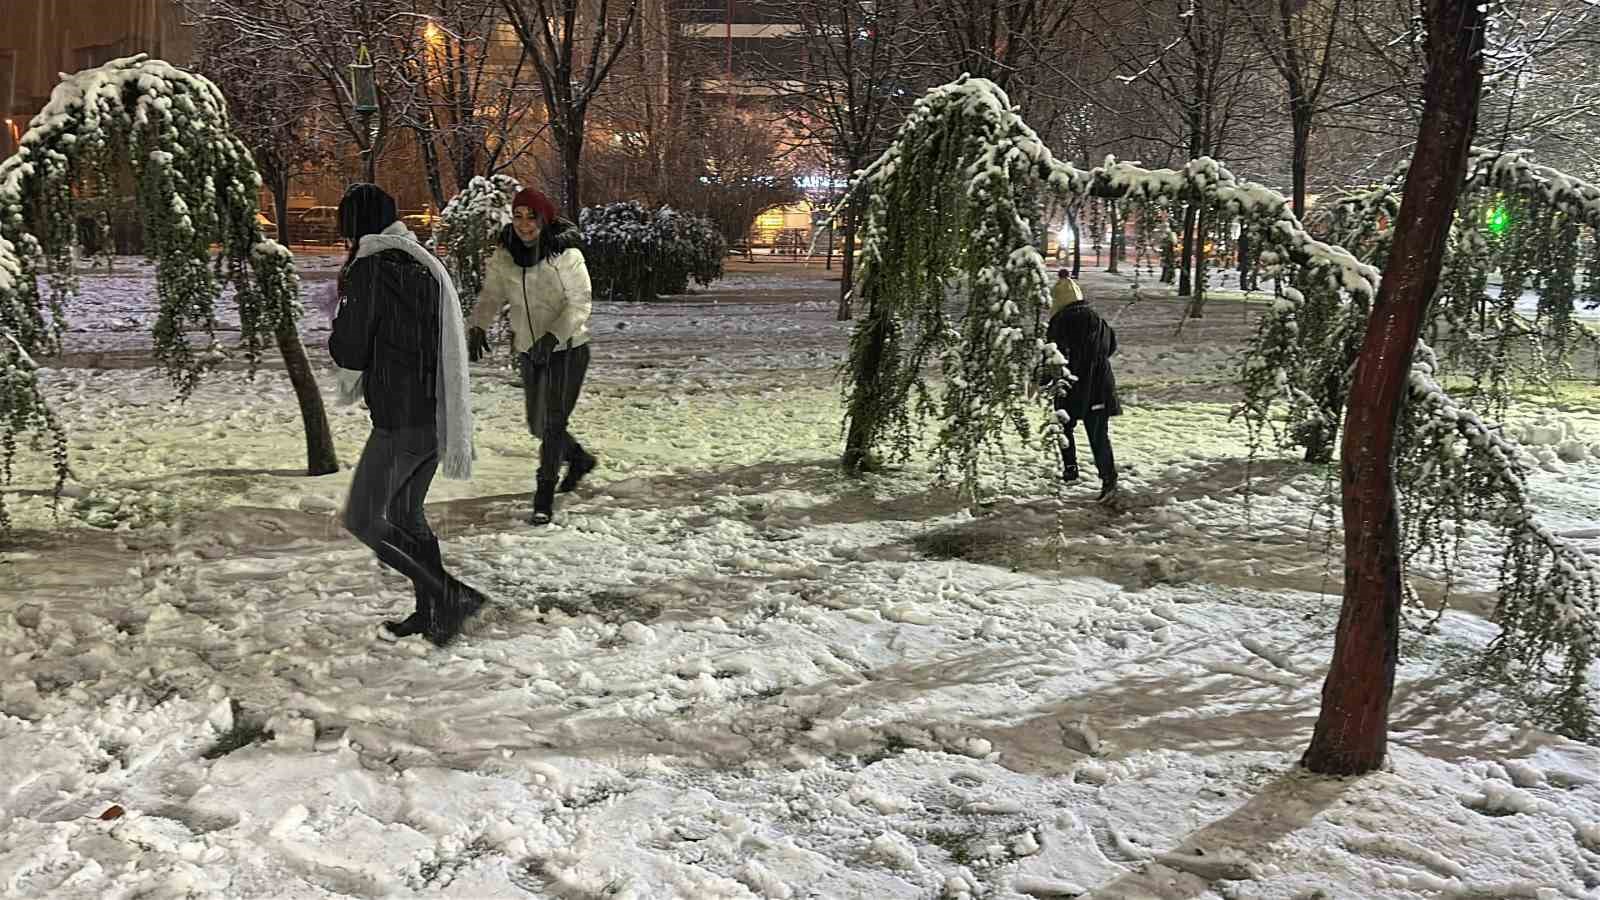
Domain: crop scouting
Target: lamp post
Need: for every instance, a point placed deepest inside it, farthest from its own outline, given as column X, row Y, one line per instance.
column 364, row 102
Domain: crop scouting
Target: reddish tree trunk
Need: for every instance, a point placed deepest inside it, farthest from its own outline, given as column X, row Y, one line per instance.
column 1353, row 729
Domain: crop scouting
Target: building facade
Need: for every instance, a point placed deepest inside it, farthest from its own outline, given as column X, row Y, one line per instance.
column 39, row 39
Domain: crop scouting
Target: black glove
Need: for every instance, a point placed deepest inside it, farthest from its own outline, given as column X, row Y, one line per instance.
column 477, row 344
column 539, row 353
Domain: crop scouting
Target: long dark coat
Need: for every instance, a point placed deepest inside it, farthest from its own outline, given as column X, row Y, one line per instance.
column 1088, row 343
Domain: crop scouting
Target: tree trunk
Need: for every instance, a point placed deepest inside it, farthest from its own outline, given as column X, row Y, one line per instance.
column 1352, row 730
column 1300, row 112
column 1116, row 235
column 863, row 429
column 571, row 157
column 1245, row 284
column 430, row 167
column 1184, row 282
column 280, row 207
column 1077, row 245
column 1197, row 284
column 847, row 267
column 321, row 457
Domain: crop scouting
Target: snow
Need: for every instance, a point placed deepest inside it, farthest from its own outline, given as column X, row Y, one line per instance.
column 728, row 670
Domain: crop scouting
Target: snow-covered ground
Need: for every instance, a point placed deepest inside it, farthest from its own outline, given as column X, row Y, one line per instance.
column 729, row 671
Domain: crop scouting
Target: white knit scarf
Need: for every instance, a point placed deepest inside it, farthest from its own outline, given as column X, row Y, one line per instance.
column 454, row 392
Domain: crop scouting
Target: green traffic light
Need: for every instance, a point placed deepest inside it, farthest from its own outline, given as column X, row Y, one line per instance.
column 1497, row 220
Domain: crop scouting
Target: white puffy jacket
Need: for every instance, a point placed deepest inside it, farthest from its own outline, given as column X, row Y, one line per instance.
column 550, row 297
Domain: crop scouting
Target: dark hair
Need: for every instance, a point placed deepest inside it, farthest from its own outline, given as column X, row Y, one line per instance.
column 1064, row 273
column 364, row 209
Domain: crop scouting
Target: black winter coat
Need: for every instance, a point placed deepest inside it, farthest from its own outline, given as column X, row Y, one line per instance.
column 1088, row 344
column 388, row 327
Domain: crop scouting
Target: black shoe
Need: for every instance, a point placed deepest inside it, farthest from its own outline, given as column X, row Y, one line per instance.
column 575, row 472
column 544, row 503
column 1108, row 493
column 416, row 623
column 1069, row 474
column 461, row 603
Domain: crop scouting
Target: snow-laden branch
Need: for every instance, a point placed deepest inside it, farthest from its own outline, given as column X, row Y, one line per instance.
column 955, row 202
column 197, row 185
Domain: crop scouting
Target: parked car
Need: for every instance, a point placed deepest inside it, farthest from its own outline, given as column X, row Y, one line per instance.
column 421, row 224
column 319, row 224
column 269, row 229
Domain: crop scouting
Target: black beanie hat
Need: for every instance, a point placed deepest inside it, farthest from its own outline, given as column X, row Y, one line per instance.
column 365, row 209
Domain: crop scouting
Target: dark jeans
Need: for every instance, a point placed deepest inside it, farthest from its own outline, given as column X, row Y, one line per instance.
column 384, row 509
column 549, row 393
column 1098, row 427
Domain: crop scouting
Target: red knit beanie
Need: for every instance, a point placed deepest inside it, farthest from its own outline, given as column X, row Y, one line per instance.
column 538, row 202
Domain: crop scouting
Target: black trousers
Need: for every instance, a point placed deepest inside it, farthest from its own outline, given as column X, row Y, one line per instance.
column 1097, row 426
column 549, row 393
column 384, row 509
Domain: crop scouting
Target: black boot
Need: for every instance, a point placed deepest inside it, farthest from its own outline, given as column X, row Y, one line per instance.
column 1108, row 492
column 461, row 602
column 544, row 502
column 416, row 623
column 580, row 466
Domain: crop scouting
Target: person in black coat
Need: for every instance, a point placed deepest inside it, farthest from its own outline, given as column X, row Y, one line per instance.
column 1088, row 343
column 389, row 328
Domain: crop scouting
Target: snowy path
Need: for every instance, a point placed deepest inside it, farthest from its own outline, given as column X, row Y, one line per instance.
column 731, row 672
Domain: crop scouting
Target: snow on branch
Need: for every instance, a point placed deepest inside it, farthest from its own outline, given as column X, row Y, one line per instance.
column 954, row 207
column 197, row 185
column 959, row 193
column 1458, row 465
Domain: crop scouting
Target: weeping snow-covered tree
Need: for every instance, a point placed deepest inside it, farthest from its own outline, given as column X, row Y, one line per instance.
column 950, row 275
column 1536, row 229
column 954, row 205
column 146, row 124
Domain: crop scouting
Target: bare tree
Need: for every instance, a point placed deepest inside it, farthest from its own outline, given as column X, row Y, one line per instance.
column 851, row 92
column 1541, row 84
column 276, row 117
column 470, row 100
column 1008, row 42
column 573, row 44
column 1188, row 60
column 326, row 38
column 1299, row 37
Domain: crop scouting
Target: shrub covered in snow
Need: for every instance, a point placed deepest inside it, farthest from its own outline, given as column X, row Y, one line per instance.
column 469, row 231
column 632, row 253
column 635, row 254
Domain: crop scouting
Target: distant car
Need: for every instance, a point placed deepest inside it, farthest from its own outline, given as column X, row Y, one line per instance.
column 319, row 224
column 269, row 229
column 421, row 224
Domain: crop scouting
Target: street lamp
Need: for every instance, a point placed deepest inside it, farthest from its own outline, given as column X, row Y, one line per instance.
column 364, row 102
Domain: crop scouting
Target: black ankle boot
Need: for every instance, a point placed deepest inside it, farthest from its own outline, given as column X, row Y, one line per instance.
column 461, row 602
column 578, row 468
column 544, row 502
column 417, row 622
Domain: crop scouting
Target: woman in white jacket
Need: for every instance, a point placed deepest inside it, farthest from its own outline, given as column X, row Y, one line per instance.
column 539, row 277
